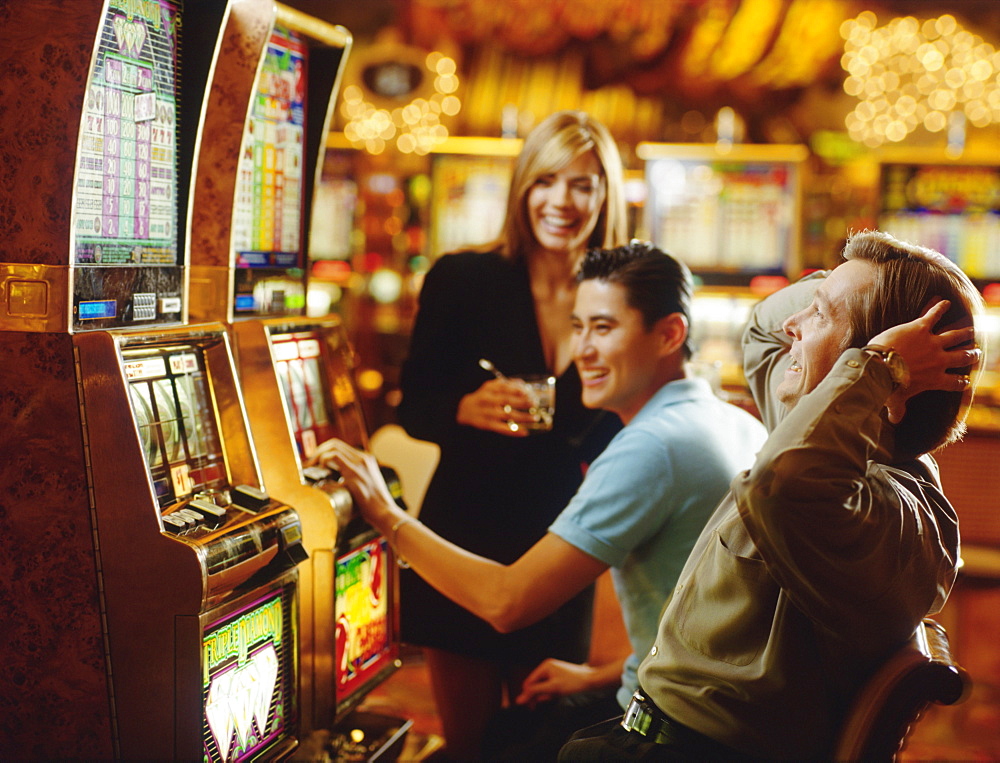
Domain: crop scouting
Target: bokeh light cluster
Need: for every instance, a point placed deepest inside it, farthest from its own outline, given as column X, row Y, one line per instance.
column 415, row 127
column 910, row 73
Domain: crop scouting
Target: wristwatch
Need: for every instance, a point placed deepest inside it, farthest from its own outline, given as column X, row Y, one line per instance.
column 893, row 361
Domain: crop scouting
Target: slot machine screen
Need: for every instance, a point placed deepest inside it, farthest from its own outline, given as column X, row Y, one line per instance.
column 315, row 376
column 468, row 200
column 267, row 217
column 366, row 641
column 125, row 202
column 249, row 683
column 728, row 219
column 952, row 208
column 176, row 418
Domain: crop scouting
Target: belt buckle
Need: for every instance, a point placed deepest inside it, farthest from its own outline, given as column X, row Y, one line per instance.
column 637, row 718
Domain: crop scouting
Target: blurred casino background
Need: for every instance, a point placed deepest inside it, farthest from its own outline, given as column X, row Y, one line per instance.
column 756, row 134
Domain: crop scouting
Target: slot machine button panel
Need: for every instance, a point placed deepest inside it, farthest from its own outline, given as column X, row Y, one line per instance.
column 250, row 498
column 173, row 524
column 211, row 514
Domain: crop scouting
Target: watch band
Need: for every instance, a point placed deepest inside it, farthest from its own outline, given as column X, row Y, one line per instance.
column 893, row 361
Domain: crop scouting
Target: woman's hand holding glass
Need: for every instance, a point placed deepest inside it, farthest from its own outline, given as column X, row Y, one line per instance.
column 499, row 406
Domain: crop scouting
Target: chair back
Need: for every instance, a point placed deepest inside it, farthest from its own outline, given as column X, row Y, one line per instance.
column 413, row 460
column 920, row 673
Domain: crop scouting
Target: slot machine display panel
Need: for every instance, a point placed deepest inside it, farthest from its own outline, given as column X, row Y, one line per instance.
column 125, row 250
column 251, row 645
column 267, row 220
column 729, row 215
column 304, row 367
column 189, row 540
column 469, row 196
column 314, row 369
column 268, row 109
column 949, row 206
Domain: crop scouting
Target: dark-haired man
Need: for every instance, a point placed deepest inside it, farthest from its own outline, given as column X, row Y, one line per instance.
column 643, row 501
column 829, row 551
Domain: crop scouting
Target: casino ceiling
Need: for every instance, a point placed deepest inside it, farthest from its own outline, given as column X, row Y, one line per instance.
column 651, row 69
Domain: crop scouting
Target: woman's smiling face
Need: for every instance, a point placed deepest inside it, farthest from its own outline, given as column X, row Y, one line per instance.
column 563, row 206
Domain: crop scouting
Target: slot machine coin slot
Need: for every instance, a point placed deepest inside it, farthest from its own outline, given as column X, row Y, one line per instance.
column 250, row 498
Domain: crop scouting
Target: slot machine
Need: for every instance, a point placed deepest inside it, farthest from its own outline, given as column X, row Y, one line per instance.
column 297, row 376
column 151, row 583
column 251, row 207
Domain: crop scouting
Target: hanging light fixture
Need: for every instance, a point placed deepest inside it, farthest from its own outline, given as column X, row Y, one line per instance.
column 399, row 97
column 910, row 74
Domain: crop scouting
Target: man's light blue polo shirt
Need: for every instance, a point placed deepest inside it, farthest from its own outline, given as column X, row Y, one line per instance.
column 646, row 498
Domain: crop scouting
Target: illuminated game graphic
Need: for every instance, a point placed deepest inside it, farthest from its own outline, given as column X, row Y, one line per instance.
column 125, row 211
column 176, row 421
column 364, row 640
column 954, row 209
column 249, row 681
column 268, row 218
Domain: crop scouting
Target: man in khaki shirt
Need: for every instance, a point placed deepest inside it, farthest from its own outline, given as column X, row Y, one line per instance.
column 828, row 552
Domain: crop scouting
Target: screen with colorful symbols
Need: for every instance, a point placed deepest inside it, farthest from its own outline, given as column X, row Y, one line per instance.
column 250, row 678
column 125, row 208
column 719, row 215
column 952, row 208
column 315, row 377
column 366, row 642
column 267, row 217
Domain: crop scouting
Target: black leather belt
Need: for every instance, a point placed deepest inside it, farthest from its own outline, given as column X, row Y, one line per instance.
column 645, row 718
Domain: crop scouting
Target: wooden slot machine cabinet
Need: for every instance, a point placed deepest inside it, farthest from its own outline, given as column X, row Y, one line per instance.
column 150, row 583
column 267, row 113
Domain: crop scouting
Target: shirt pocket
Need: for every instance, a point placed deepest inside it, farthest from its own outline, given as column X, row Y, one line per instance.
column 727, row 606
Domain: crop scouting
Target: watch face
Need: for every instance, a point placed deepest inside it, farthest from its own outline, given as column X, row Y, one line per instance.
column 897, row 367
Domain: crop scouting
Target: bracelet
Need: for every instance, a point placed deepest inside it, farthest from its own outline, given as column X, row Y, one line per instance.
column 393, row 532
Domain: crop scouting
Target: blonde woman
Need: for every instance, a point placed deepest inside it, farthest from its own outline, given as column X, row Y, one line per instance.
column 509, row 302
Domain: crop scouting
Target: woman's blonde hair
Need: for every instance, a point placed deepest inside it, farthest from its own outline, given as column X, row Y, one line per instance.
column 555, row 142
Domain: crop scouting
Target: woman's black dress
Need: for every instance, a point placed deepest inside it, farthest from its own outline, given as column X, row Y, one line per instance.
column 491, row 494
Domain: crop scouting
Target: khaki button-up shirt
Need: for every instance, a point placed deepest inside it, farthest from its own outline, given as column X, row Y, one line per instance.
column 819, row 563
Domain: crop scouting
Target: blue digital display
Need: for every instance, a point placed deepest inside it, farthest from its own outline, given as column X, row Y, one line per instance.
column 244, row 302
column 105, row 308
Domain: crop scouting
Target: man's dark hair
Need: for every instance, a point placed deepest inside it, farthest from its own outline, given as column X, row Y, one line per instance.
column 655, row 283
